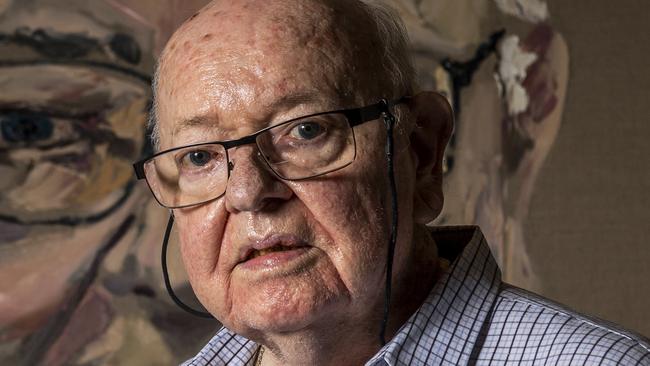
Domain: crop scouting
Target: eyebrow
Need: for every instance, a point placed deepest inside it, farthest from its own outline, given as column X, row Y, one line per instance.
column 196, row 121
column 285, row 103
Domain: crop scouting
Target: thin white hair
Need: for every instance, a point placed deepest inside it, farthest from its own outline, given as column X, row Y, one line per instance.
column 395, row 57
column 152, row 120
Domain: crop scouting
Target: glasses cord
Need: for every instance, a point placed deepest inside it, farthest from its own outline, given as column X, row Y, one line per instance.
column 389, row 121
column 168, row 285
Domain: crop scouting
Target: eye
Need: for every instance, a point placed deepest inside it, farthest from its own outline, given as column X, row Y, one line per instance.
column 26, row 128
column 199, row 157
column 306, row 130
column 38, row 129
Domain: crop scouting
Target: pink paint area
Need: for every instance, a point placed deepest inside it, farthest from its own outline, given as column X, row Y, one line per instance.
column 540, row 83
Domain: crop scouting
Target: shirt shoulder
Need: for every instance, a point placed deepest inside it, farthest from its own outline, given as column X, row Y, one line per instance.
column 525, row 328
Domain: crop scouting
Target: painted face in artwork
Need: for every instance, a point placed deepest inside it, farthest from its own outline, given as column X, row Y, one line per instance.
column 73, row 111
column 79, row 240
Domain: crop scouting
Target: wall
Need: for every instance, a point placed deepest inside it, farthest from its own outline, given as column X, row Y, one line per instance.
column 588, row 228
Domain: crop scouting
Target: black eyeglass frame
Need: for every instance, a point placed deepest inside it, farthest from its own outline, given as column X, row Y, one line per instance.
column 354, row 116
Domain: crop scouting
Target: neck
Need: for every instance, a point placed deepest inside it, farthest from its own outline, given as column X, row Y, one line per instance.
column 355, row 341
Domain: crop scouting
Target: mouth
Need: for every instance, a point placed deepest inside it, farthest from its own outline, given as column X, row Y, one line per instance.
column 273, row 251
column 277, row 248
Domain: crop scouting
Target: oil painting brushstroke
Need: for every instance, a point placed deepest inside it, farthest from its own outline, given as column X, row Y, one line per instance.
column 80, row 281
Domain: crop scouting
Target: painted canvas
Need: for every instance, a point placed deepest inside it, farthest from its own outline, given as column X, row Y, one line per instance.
column 505, row 71
column 80, row 279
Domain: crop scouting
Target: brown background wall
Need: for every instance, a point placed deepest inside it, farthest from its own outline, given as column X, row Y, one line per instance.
column 589, row 223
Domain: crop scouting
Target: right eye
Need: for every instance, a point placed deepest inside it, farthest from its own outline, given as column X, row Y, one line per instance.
column 22, row 128
column 33, row 129
column 198, row 157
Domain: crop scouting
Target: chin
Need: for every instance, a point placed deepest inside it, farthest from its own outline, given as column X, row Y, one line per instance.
column 280, row 316
column 257, row 325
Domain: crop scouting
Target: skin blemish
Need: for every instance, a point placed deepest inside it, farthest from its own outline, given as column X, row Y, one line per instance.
column 278, row 29
column 207, row 37
column 281, row 88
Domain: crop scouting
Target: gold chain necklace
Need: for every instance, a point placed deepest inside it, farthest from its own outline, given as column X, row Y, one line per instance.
column 260, row 353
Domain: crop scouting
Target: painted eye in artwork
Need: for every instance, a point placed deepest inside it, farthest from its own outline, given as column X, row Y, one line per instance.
column 36, row 129
column 25, row 128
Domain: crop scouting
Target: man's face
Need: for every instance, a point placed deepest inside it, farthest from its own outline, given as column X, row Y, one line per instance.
column 228, row 85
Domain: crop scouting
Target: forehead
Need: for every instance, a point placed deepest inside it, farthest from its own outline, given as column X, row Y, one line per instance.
column 229, row 60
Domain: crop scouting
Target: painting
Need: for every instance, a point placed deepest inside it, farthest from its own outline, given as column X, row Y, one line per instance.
column 505, row 71
column 80, row 277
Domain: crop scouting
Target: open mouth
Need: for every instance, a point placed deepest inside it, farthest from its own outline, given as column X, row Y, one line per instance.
column 274, row 249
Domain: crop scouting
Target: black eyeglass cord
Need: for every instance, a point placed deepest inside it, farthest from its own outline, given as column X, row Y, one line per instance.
column 168, row 285
column 389, row 121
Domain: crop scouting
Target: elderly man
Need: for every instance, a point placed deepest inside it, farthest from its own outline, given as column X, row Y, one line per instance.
column 301, row 167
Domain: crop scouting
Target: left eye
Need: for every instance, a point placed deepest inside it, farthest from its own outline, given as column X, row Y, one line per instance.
column 306, row 130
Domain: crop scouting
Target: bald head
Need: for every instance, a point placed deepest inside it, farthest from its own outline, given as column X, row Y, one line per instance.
column 361, row 44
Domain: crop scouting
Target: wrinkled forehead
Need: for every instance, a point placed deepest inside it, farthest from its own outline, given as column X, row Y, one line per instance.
column 254, row 52
column 249, row 33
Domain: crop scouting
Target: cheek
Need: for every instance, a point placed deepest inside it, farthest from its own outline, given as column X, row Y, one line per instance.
column 349, row 211
column 201, row 232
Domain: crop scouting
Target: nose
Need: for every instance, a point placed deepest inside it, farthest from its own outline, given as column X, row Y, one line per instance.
column 252, row 186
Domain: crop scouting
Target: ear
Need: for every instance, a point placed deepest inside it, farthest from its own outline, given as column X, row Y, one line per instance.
column 433, row 118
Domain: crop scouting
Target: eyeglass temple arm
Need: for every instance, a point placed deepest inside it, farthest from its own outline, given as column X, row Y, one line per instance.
column 372, row 112
column 138, row 167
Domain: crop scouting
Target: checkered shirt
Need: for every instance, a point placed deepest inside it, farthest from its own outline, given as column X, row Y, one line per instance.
column 472, row 318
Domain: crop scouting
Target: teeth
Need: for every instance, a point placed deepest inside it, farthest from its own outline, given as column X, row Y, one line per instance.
column 277, row 248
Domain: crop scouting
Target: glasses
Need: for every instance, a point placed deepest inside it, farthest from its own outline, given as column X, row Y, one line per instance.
column 301, row 148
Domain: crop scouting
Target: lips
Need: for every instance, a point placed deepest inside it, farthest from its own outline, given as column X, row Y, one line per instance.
column 271, row 244
column 277, row 248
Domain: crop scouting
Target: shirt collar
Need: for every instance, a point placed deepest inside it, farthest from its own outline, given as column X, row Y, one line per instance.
column 445, row 328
